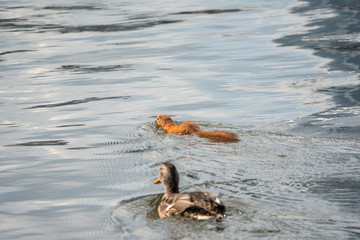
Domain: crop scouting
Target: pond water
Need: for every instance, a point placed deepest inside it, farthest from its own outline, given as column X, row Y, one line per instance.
column 83, row 82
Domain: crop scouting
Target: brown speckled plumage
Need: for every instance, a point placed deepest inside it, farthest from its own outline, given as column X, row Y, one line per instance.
column 195, row 205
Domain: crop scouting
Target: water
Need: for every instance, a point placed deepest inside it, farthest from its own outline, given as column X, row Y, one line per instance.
column 82, row 83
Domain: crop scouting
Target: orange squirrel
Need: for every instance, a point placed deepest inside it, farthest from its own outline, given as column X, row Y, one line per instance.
column 187, row 128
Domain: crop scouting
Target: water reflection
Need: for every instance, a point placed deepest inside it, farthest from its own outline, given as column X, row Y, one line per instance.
column 332, row 33
column 334, row 36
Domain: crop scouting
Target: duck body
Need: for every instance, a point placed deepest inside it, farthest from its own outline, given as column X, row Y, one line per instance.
column 192, row 205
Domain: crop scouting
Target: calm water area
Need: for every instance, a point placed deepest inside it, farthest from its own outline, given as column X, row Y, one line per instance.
column 81, row 85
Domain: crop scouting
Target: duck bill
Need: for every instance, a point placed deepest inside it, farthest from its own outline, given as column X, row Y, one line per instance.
column 156, row 181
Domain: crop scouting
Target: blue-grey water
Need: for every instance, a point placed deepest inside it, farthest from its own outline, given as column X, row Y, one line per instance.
column 82, row 82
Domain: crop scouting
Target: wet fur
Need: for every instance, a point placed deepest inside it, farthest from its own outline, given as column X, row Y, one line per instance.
column 186, row 128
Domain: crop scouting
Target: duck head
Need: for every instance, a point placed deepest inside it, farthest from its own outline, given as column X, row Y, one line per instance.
column 169, row 177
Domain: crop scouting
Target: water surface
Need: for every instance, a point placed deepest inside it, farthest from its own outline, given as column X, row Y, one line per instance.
column 82, row 84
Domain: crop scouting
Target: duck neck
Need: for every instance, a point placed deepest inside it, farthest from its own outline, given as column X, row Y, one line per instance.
column 171, row 189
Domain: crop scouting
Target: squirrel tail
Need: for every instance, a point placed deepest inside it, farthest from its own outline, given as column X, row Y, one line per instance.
column 219, row 136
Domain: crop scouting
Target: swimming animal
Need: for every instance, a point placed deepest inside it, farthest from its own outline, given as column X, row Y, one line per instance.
column 186, row 128
column 192, row 205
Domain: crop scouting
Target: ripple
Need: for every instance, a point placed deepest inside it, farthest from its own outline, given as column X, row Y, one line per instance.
column 211, row 11
column 350, row 47
column 114, row 27
column 343, row 192
column 70, row 125
column 94, row 69
column 72, row 7
column 40, row 143
column 133, row 214
column 19, row 25
column 74, row 102
column 16, row 51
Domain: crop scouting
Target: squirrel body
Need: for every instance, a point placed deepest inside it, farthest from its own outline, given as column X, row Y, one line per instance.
column 187, row 128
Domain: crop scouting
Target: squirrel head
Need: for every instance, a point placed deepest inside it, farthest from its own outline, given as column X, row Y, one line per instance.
column 162, row 119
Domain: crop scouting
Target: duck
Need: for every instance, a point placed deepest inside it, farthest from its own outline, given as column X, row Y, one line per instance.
column 200, row 205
